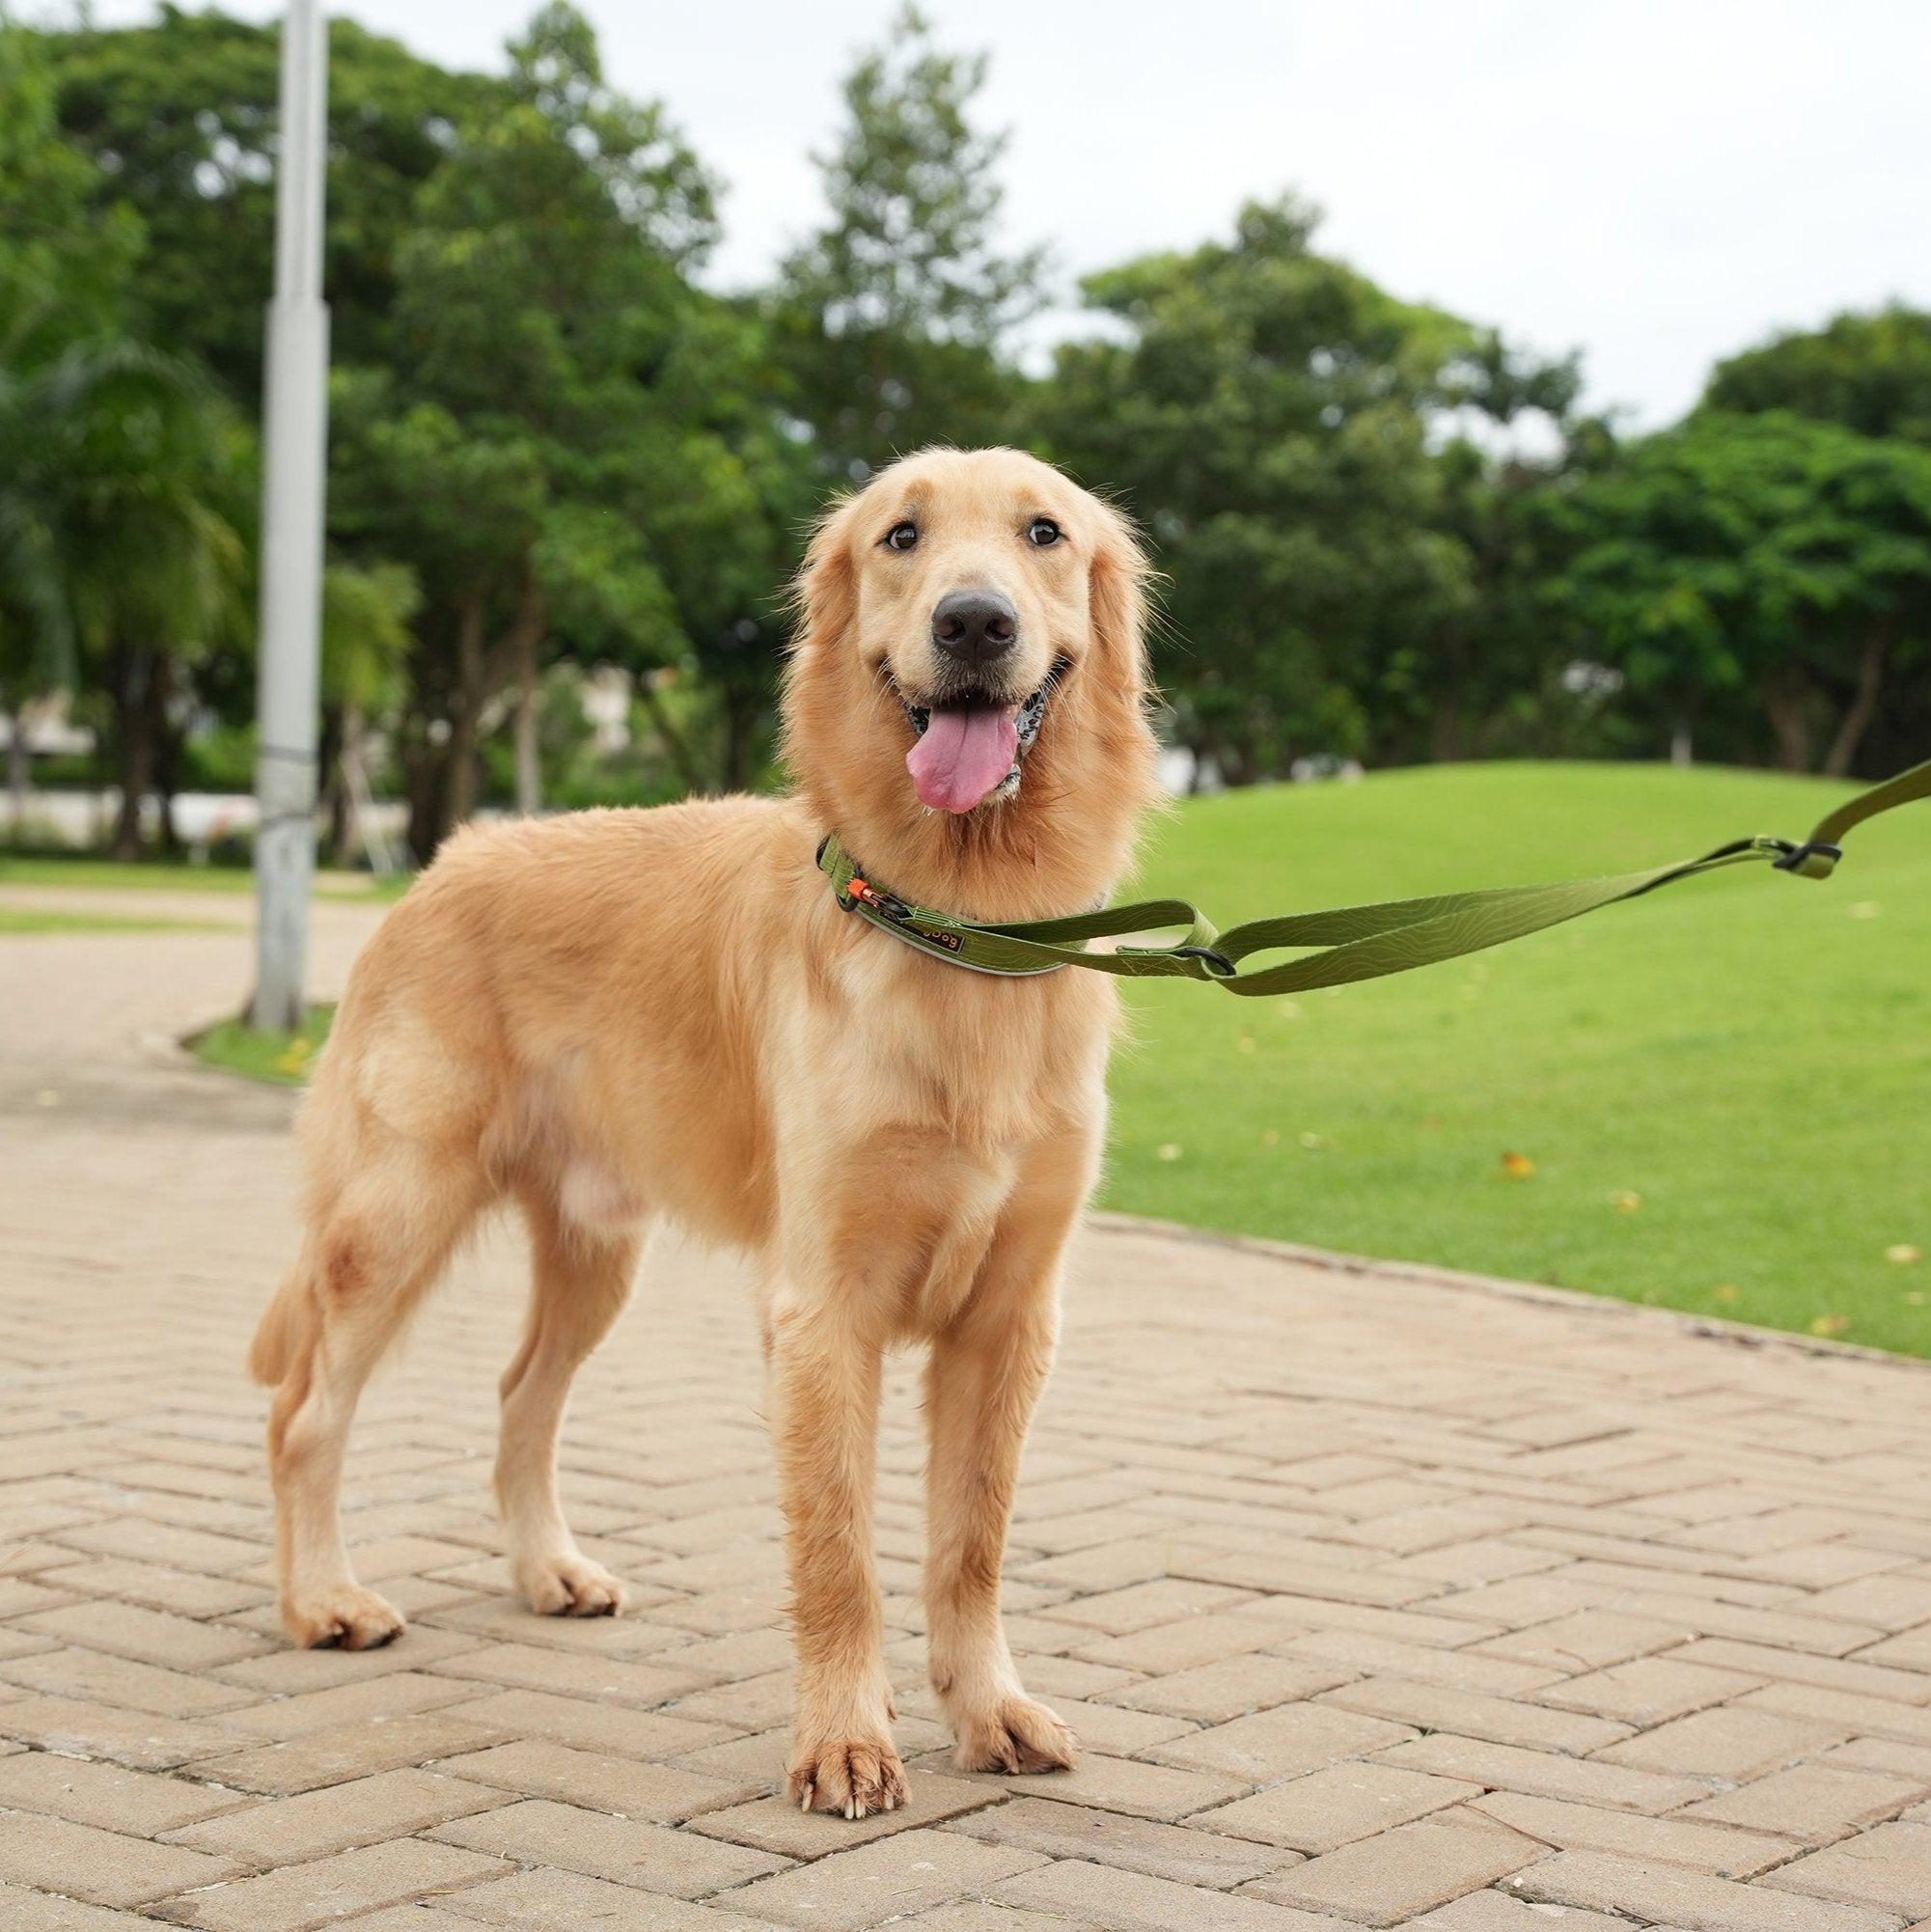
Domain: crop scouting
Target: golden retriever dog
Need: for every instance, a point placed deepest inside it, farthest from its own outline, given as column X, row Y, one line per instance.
column 618, row 1015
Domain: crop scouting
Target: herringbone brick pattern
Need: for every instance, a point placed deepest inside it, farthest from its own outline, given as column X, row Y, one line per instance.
column 1377, row 1599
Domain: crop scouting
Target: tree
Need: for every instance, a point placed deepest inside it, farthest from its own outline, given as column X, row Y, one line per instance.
column 365, row 654
column 568, row 413
column 1268, row 417
column 124, row 482
column 890, row 320
column 1767, row 556
column 180, row 118
column 1871, row 374
column 141, row 484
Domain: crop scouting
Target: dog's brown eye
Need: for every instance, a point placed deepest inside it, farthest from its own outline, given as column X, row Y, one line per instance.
column 1042, row 533
column 901, row 536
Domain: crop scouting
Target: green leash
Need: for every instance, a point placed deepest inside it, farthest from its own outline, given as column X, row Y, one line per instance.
column 1356, row 942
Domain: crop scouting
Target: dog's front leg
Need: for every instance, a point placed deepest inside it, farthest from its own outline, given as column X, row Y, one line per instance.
column 986, row 1370
column 824, row 1374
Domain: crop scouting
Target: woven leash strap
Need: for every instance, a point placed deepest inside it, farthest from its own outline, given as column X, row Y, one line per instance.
column 1350, row 942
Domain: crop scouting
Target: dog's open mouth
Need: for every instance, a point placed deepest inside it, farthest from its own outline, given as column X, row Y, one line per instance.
column 970, row 745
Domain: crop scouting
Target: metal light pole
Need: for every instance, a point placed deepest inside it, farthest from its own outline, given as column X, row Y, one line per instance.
column 295, row 419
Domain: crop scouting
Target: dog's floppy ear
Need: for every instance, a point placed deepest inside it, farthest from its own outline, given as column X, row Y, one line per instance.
column 1116, row 598
column 825, row 595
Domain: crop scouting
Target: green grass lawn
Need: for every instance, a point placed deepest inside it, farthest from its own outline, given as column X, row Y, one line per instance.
column 282, row 1058
column 1721, row 1089
column 18, row 920
column 1718, row 1098
column 34, row 869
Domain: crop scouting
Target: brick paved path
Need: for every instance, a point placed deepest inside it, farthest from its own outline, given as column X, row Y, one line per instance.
column 1376, row 1600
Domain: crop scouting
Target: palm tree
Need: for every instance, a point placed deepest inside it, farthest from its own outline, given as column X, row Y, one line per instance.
column 122, row 480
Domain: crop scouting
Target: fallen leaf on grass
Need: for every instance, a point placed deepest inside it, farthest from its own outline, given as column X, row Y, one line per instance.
column 1625, row 1201
column 1904, row 1253
column 1271, row 1136
column 1170, row 1151
column 1724, row 1291
column 1517, row 1167
column 1830, row 1324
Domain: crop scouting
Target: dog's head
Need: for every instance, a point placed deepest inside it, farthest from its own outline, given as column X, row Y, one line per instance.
column 969, row 684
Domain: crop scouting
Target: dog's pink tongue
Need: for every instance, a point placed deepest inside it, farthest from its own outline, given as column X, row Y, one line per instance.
column 961, row 757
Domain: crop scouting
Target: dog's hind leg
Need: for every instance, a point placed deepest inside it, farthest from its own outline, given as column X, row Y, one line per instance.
column 581, row 1281
column 367, row 1259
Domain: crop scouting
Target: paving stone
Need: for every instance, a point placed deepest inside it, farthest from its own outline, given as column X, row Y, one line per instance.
column 1496, row 1912
column 25, row 1911
column 337, row 1753
column 1543, row 1774
column 1402, row 1873
column 1692, row 1899
column 99, row 1867
column 1184, row 1855
column 390, row 1804
column 1123, row 1784
column 382, row 1694
column 1471, row 1714
column 624, row 1850
column 1372, row 1654
column 1812, row 1802
column 1702, row 1847
column 1334, row 1806
column 975, row 1916
column 897, row 1875
column 117, row 1799
column 94, row 1676
column 1874, row 1717
column 775, row 1824
column 544, row 1900
column 1122, row 1901
column 589, row 1726
column 656, row 1793
column 132, row 1737
column 1889, row 1868
column 535, row 1666
column 1733, row 1743
column 1282, row 1743
column 1429, row 1538
column 1866, row 1674
column 1229, row 1688
column 1647, row 1691
column 1193, row 1640
column 146, row 1636
column 300, row 1895
column 287, row 1672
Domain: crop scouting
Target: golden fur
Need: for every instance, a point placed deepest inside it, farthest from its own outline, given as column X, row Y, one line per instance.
column 615, row 1015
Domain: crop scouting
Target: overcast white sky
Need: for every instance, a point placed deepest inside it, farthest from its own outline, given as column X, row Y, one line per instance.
column 1658, row 182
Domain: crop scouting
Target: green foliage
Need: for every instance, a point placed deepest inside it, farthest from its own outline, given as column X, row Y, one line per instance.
column 1268, row 415
column 1697, row 1050
column 891, row 320
column 181, row 116
column 1872, row 374
column 1770, row 560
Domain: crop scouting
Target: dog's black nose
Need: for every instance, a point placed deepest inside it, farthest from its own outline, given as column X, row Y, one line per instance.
column 975, row 626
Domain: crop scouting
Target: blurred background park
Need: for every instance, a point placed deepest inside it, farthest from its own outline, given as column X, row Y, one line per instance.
column 584, row 398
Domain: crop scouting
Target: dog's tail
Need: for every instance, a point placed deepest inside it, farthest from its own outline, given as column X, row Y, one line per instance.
column 284, row 1328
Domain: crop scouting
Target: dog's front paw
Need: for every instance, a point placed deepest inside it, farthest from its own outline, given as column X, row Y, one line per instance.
column 849, row 1778
column 569, row 1585
column 345, row 1617
column 1013, row 1735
